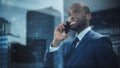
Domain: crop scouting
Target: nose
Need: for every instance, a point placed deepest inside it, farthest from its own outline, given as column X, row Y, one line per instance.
column 70, row 18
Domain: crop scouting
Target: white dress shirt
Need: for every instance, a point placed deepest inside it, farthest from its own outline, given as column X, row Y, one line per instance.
column 80, row 37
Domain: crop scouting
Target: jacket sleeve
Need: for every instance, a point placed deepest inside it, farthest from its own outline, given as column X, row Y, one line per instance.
column 105, row 56
column 53, row 59
column 48, row 60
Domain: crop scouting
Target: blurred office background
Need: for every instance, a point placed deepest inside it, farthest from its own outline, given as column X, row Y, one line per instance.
column 27, row 26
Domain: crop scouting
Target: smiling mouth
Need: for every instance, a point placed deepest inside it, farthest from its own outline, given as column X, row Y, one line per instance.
column 72, row 26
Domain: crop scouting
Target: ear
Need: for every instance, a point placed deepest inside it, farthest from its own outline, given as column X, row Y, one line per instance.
column 88, row 17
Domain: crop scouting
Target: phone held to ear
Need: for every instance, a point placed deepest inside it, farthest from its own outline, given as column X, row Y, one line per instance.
column 67, row 27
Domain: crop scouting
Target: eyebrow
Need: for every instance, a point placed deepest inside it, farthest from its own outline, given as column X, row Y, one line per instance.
column 76, row 11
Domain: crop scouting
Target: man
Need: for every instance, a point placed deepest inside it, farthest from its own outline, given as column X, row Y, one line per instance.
column 92, row 50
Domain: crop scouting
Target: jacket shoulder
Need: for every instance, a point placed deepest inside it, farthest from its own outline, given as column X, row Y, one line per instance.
column 98, row 36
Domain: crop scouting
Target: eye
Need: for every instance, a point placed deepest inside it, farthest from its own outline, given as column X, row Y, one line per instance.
column 76, row 11
column 69, row 14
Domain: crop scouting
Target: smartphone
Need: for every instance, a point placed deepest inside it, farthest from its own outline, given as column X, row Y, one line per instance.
column 67, row 27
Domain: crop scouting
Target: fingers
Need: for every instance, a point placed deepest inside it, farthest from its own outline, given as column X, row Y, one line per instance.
column 67, row 34
column 58, row 34
column 61, row 27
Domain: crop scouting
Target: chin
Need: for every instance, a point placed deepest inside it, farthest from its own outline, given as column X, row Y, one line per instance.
column 74, row 29
column 77, row 28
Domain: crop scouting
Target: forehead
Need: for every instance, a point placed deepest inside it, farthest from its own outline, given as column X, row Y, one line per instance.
column 75, row 8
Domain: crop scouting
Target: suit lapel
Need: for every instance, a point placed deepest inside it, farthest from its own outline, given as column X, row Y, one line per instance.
column 80, row 47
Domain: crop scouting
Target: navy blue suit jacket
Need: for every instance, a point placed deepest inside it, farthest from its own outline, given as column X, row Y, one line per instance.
column 93, row 51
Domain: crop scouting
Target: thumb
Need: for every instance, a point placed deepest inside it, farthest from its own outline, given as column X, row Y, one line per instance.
column 68, row 33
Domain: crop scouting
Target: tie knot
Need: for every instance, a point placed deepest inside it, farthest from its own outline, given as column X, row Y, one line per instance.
column 76, row 39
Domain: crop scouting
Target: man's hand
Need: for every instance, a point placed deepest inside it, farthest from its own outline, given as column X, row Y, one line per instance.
column 58, row 35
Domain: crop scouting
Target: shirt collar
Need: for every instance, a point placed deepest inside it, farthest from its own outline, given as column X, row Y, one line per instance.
column 82, row 34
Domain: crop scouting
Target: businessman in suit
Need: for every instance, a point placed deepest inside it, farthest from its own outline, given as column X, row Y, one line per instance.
column 87, row 50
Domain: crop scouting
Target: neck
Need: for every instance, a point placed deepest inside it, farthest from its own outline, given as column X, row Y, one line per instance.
column 79, row 31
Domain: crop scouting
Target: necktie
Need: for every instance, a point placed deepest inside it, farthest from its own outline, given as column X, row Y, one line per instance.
column 74, row 45
column 75, row 42
column 72, row 48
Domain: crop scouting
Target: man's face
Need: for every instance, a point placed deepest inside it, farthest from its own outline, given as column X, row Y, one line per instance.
column 78, row 17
